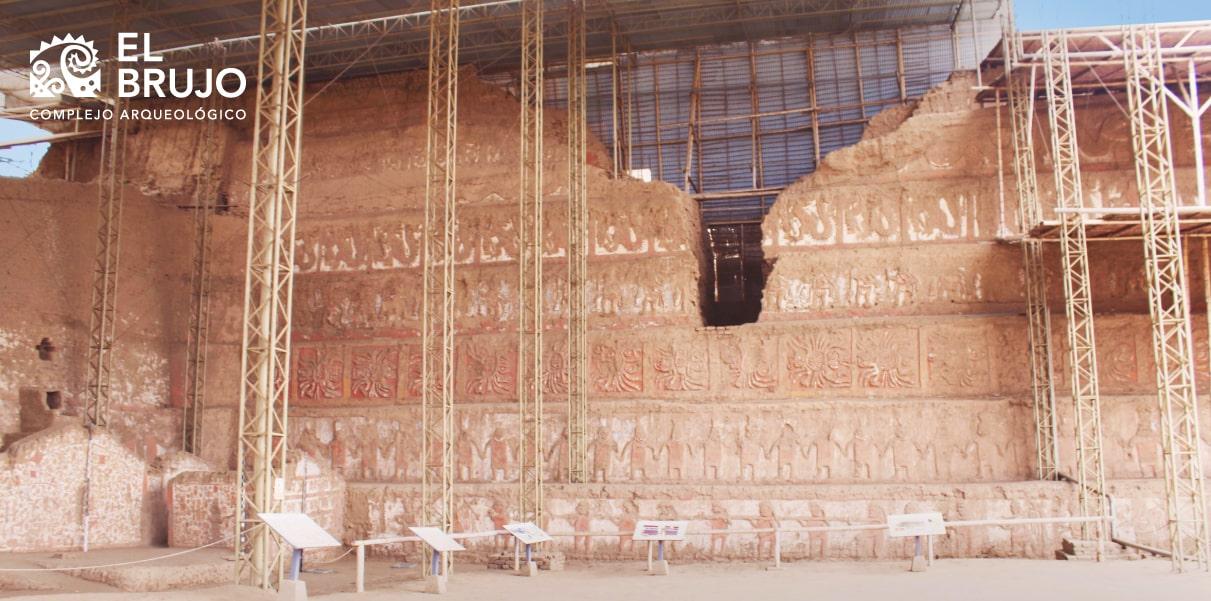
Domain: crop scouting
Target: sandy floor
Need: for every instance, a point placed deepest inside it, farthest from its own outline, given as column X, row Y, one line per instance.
column 985, row 580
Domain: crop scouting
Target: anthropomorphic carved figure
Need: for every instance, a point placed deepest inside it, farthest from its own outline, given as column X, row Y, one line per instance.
column 604, row 447
column 719, row 520
column 817, row 542
column 765, row 520
column 582, row 522
column 675, row 451
column 751, row 452
column 638, row 450
column 712, row 453
column 626, row 525
column 499, row 451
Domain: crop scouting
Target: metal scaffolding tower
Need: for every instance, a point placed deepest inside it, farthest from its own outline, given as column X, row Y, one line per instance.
column 1021, row 102
column 268, row 287
column 437, row 313
column 206, row 188
column 105, row 266
column 578, row 250
column 1078, row 298
column 529, row 267
column 1168, row 303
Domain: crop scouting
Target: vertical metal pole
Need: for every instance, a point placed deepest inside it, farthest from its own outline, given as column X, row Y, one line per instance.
column 858, row 74
column 691, row 129
column 206, row 188
column 811, row 98
column 758, row 169
column 901, row 82
column 268, row 290
column 105, row 267
column 578, row 249
column 616, row 144
column 1078, row 297
column 111, row 180
column 529, row 267
column 1042, row 388
column 437, row 310
column 1166, row 271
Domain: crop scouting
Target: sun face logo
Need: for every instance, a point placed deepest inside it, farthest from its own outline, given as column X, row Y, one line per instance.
column 78, row 73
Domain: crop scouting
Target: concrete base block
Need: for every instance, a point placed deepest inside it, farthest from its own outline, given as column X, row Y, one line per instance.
column 293, row 590
column 918, row 564
column 528, row 568
column 435, row 584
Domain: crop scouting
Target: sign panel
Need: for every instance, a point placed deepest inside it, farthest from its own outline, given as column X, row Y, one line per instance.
column 299, row 530
column 435, row 538
column 659, row 530
column 528, row 533
column 915, row 524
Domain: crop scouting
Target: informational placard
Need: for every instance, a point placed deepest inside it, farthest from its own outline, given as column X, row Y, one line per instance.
column 299, row 530
column 915, row 524
column 657, row 530
column 435, row 538
column 527, row 533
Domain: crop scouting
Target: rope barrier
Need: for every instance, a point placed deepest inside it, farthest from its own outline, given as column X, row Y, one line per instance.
column 121, row 563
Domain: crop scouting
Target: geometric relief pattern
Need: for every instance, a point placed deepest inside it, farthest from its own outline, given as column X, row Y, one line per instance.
column 319, row 373
column 887, row 358
column 819, row 360
column 374, row 372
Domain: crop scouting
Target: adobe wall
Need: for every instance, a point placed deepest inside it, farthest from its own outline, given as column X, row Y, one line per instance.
column 42, row 476
column 887, row 372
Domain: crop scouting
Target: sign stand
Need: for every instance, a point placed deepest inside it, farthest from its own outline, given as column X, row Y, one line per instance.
column 439, row 544
column 301, row 533
column 526, row 534
column 659, row 531
column 922, row 527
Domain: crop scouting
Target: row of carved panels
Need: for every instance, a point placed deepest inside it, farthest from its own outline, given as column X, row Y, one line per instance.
column 620, row 294
column 489, row 235
column 946, row 210
column 961, row 357
column 954, row 209
column 379, row 510
column 964, row 357
column 939, row 279
column 940, row 441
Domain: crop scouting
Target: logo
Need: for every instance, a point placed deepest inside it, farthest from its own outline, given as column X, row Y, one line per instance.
column 76, row 70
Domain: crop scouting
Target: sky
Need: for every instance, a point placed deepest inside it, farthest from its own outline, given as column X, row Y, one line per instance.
column 1030, row 15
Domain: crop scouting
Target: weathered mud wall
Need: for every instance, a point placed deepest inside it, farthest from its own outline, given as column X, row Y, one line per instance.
column 50, row 238
column 42, row 477
column 887, row 373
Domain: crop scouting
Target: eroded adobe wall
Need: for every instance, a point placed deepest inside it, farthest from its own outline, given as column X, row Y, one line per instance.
column 42, row 477
column 49, row 236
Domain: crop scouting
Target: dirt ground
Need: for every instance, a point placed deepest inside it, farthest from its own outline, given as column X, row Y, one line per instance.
column 957, row 579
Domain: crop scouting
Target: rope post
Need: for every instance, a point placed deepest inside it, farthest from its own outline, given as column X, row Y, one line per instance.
column 361, row 568
column 777, row 548
column 649, row 556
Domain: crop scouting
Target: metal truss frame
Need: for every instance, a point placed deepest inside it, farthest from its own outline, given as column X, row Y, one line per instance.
column 438, row 310
column 529, row 267
column 1167, row 295
column 578, row 248
column 206, row 188
column 268, row 290
column 111, row 180
column 489, row 35
column 1078, row 298
column 1042, row 375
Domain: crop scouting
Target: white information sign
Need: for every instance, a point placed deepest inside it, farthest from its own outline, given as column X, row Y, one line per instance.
column 656, row 530
column 435, row 538
column 299, row 530
column 915, row 524
column 528, row 533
